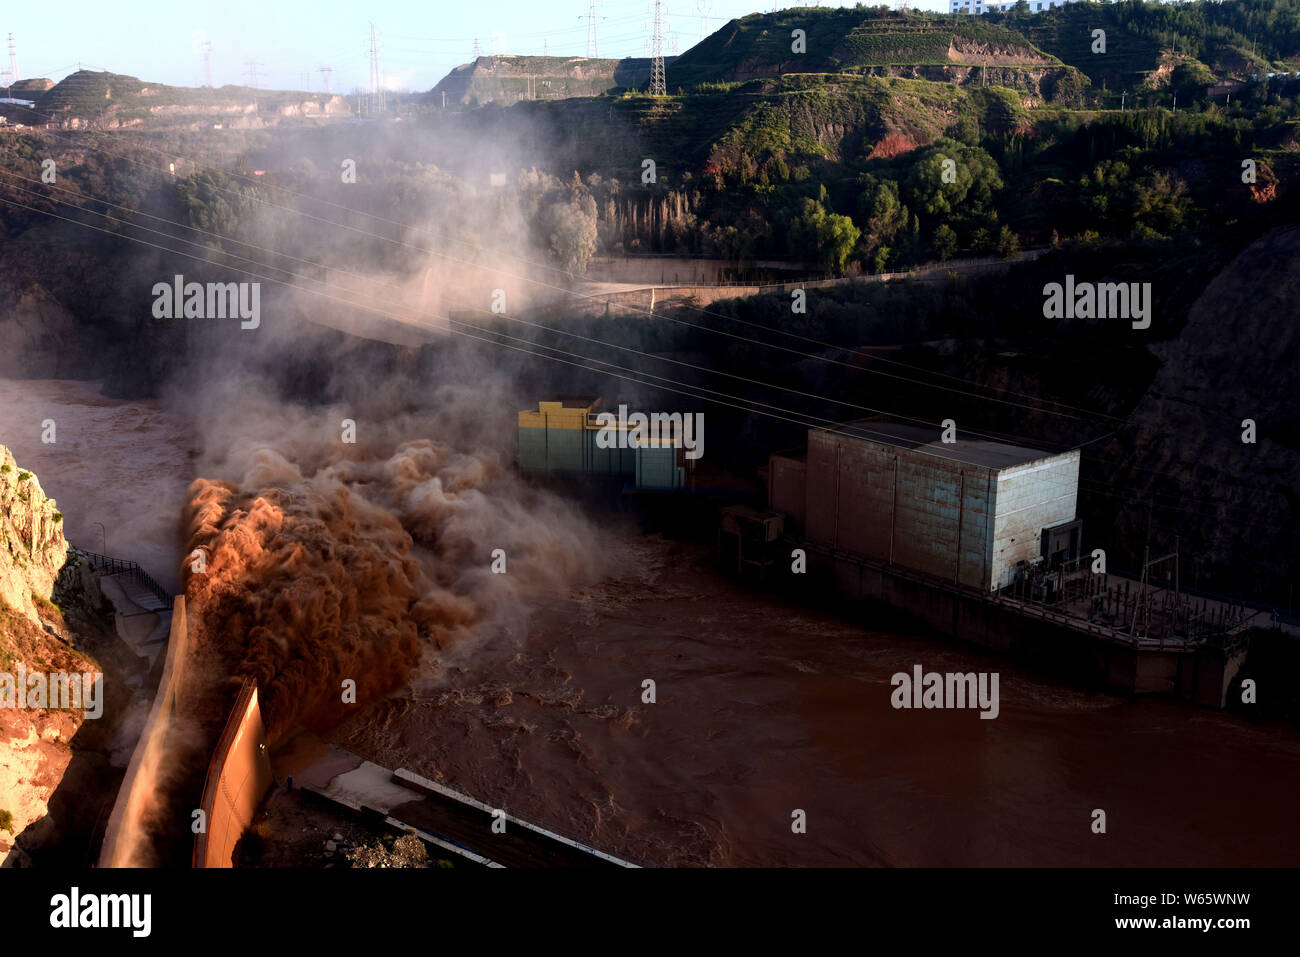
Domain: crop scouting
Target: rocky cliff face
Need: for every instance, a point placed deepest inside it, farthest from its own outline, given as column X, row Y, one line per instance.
column 31, row 535
column 1234, row 501
column 35, row 741
column 54, row 795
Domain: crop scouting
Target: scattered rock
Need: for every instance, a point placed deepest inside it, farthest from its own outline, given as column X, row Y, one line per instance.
column 407, row 851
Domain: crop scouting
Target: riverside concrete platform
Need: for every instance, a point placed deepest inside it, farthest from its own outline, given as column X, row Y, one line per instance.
column 444, row 817
column 1096, row 653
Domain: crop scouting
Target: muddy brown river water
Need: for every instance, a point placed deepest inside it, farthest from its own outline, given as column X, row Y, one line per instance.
column 762, row 708
column 120, row 465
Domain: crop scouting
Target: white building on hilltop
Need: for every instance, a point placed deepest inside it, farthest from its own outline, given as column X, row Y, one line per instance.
column 985, row 6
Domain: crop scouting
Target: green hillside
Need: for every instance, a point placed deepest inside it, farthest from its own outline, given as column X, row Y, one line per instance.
column 1151, row 49
column 764, row 130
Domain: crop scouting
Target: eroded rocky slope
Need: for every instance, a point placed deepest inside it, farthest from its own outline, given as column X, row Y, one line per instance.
column 34, row 548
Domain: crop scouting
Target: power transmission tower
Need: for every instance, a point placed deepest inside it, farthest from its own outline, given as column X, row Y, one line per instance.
column 477, row 52
column 593, row 51
column 13, row 61
column 658, row 80
column 705, row 7
column 207, row 63
column 251, row 72
column 325, row 71
column 376, row 83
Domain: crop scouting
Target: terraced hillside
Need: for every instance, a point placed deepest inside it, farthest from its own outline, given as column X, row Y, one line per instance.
column 1068, row 33
column 878, row 42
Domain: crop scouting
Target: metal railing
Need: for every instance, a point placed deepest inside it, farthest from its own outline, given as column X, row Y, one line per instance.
column 121, row 566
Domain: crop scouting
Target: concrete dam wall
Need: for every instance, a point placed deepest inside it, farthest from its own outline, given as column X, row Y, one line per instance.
column 124, row 836
column 238, row 777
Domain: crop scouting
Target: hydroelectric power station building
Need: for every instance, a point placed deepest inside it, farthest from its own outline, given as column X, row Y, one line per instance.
column 968, row 512
column 976, row 538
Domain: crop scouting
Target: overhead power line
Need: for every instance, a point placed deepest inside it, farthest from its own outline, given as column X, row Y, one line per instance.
column 1085, row 414
column 547, row 328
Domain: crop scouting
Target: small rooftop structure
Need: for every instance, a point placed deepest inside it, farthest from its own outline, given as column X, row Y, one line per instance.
column 588, row 402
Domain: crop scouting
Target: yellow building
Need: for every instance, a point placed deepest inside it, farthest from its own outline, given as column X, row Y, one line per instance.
column 560, row 436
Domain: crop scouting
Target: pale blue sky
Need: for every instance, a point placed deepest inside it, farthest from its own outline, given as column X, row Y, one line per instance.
column 419, row 40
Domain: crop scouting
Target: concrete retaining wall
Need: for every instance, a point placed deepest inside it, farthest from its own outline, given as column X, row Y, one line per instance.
column 1202, row 675
column 660, row 270
column 703, row 293
column 643, row 301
